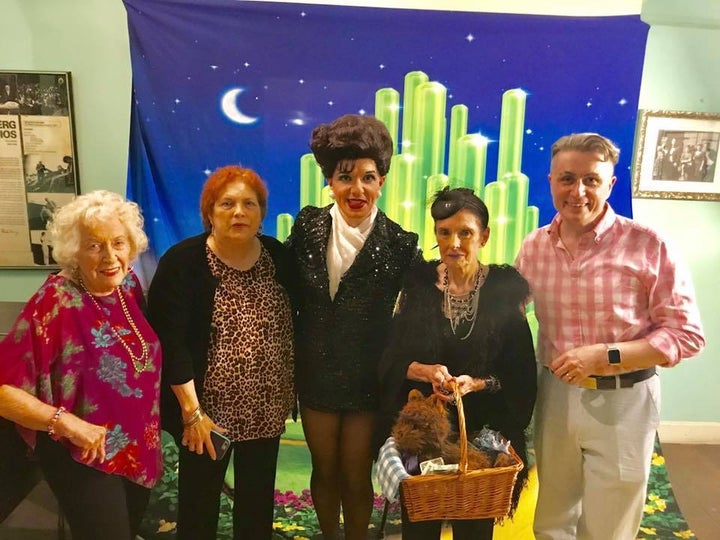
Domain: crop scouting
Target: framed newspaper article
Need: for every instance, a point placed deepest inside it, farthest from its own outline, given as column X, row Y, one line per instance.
column 676, row 156
column 38, row 163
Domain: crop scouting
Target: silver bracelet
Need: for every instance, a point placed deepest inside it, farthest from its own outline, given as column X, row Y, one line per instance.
column 492, row 384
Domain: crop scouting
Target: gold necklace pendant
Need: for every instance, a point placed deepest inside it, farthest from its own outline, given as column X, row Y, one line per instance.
column 140, row 363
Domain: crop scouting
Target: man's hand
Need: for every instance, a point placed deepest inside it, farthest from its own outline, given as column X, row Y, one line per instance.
column 576, row 365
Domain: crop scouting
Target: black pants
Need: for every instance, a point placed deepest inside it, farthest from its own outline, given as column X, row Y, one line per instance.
column 200, row 482
column 95, row 504
column 463, row 529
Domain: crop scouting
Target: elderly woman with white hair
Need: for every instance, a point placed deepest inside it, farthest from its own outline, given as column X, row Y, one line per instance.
column 79, row 371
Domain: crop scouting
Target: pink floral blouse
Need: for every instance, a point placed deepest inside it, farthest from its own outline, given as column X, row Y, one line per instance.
column 62, row 350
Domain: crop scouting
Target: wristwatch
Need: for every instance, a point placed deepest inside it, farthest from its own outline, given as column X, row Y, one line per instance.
column 613, row 355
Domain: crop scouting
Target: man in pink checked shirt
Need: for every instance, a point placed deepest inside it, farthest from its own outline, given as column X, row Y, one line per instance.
column 613, row 302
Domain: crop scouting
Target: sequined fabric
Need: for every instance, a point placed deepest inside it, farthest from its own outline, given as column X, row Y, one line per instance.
column 338, row 343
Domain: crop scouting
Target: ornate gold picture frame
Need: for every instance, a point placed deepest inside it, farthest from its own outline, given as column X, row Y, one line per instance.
column 676, row 156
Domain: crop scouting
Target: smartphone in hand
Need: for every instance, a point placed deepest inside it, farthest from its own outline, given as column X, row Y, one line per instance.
column 220, row 442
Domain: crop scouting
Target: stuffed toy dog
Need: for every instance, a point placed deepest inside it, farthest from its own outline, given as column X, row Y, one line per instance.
column 423, row 429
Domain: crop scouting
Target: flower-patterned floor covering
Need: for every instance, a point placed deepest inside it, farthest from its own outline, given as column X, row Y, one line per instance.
column 295, row 517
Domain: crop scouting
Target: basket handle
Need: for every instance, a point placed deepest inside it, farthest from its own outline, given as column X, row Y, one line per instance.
column 463, row 465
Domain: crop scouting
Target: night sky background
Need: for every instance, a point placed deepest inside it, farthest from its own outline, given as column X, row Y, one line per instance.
column 300, row 65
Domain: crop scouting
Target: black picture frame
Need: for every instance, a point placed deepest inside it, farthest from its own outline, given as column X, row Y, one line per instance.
column 38, row 163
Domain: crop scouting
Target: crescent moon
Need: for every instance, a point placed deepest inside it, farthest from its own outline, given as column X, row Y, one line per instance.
column 229, row 107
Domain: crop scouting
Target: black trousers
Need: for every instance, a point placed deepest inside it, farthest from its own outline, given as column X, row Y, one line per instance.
column 200, row 483
column 95, row 504
column 463, row 529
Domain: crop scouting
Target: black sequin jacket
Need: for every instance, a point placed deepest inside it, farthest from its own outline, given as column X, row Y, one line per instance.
column 500, row 344
column 338, row 342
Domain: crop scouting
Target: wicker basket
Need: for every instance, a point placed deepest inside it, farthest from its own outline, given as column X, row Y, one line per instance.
column 477, row 494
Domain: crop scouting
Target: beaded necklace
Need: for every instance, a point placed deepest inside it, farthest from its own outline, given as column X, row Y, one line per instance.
column 460, row 309
column 140, row 363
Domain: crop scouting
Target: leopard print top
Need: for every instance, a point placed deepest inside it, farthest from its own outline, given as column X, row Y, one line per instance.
column 248, row 386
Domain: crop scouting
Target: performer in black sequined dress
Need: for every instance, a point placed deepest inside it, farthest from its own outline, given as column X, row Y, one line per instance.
column 350, row 261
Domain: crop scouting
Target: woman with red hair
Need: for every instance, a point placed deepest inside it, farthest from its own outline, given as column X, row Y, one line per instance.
column 219, row 303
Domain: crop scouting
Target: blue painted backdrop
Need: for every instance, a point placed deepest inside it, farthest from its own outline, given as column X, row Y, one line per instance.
column 296, row 65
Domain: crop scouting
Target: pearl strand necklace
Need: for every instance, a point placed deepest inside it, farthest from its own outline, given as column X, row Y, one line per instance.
column 140, row 363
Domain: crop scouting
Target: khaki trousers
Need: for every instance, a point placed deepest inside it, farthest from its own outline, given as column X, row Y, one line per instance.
column 594, row 449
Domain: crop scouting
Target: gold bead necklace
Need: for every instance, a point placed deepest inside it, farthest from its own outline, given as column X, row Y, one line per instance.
column 140, row 363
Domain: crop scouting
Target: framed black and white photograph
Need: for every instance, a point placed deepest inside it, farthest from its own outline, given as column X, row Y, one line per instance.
column 676, row 156
column 38, row 163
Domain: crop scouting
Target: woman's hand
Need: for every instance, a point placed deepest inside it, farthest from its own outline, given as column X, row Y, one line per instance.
column 196, row 432
column 197, row 436
column 435, row 374
column 468, row 384
column 28, row 411
column 89, row 437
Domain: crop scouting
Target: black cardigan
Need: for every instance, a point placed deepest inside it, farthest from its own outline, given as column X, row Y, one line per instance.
column 338, row 343
column 500, row 345
column 180, row 308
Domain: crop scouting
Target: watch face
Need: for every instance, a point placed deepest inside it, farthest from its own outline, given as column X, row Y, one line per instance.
column 613, row 356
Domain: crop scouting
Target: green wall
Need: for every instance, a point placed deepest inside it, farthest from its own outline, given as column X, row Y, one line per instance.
column 682, row 71
column 88, row 38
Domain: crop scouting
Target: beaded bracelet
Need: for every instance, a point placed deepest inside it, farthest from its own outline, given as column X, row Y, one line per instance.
column 492, row 384
column 53, row 421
